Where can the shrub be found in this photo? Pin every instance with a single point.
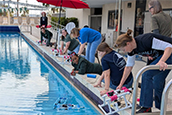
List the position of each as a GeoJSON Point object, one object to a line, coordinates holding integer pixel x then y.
{"type": "Point", "coordinates": [64, 21]}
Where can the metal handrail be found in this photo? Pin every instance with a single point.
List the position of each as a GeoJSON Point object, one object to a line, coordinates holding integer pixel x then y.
{"type": "Point", "coordinates": [58, 32]}
{"type": "Point", "coordinates": [57, 24]}
{"type": "Point", "coordinates": [150, 67]}
{"type": "Point", "coordinates": [165, 97]}
{"type": "Point", "coordinates": [27, 31]}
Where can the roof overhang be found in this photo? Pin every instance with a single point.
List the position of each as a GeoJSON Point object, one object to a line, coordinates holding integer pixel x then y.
{"type": "Point", "coordinates": [100, 3]}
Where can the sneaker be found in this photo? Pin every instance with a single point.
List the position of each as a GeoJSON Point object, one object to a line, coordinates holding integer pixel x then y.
{"type": "Point", "coordinates": [144, 110]}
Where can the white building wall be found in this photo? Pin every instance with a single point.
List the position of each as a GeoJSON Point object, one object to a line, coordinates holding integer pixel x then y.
{"type": "Point", "coordinates": [128, 19]}
{"type": "Point", "coordinates": [81, 14]}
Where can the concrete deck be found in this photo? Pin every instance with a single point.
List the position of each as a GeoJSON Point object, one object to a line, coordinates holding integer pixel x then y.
{"type": "Point", "coordinates": [89, 82]}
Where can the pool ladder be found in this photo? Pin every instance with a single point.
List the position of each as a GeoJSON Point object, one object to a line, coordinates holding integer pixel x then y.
{"type": "Point", "coordinates": [164, 95]}
{"type": "Point", "coordinates": [27, 29]}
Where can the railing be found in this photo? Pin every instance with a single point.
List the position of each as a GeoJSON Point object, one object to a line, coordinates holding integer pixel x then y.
{"type": "Point", "coordinates": [150, 67]}
{"type": "Point", "coordinates": [27, 30]}
{"type": "Point", "coordinates": [164, 98]}
{"type": "Point", "coordinates": [57, 27]}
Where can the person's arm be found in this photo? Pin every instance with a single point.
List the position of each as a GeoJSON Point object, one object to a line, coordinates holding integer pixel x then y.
{"type": "Point", "coordinates": [41, 37]}
{"type": "Point", "coordinates": [62, 45]}
{"type": "Point", "coordinates": [127, 70]}
{"type": "Point", "coordinates": [126, 73]}
{"type": "Point", "coordinates": [155, 27]}
{"type": "Point", "coordinates": [66, 48]}
{"type": "Point", "coordinates": [82, 68]}
{"type": "Point", "coordinates": [166, 47]}
{"type": "Point", "coordinates": [107, 82]}
{"type": "Point", "coordinates": [46, 22]}
{"type": "Point", "coordinates": [41, 21]}
{"type": "Point", "coordinates": [98, 84]}
{"type": "Point", "coordinates": [156, 31]}
{"type": "Point", "coordinates": [49, 37]}
{"type": "Point", "coordinates": [81, 48]}
{"type": "Point", "coordinates": [165, 56]}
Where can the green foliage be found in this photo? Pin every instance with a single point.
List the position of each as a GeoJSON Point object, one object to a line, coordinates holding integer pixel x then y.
{"type": "Point", "coordinates": [73, 19]}
{"type": "Point", "coordinates": [64, 21]}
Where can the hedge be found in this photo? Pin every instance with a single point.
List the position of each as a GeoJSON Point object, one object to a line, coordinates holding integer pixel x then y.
{"type": "Point", "coordinates": [64, 21]}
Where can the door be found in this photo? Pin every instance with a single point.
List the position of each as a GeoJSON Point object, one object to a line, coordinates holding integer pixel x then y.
{"type": "Point", "coordinates": [139, 17]}
{"type": "Point", "coordinates": [96, 23]}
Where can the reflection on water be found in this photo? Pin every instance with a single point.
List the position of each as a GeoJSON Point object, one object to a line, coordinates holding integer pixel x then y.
{"type": "Point", "coordinates": [28, 86]}
{"type": "Point", "coordinates": [14, 56]}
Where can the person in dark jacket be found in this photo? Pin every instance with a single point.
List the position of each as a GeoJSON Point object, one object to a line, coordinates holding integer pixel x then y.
{"type": "Point", "coordinates": [43, 20]}
{"type": "Point", "coordinates": [82, 66]}
{"type": "Point", "coordinates": [46, 35]}
{"type": "Point", "coordinates": [113, 65]}
{"type": "Point", "coordinates": [159, 49]}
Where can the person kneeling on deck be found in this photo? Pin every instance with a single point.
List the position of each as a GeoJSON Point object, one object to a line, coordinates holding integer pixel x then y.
{"type": "Point", "coordinates": [113, 65]}
{"type": "Point", "coordinates": [71, 43]}
{"type": "Point", "coordinates": [46, 35]}
{"type": "Point", "coordinates": [82, 66]}
{"type": "Point", "coordinates": [158, 49]}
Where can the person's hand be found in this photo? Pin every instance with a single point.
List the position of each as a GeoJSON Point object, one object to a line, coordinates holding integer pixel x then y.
{"type": "Point", "coordinates": [103, 92]}
{"type": "Point", "coordinates": [162, 65]}
{"type": "Point", "coordinates": [73, 73]}
{"type": "Point", "coordinates": [61, 53]}
{"type": "Point", "coordinates": [119, 87]}
{"type": "Point", "coordinates": [150, 58]}
{"type": "Point", "coordinates": [98, 85]}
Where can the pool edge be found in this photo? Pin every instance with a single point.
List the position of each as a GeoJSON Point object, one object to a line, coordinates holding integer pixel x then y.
{"type": "Point", "coordinates": [94, 99]}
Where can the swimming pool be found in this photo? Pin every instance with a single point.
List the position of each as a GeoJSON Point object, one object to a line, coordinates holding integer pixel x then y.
{"type": "Point", "coordinates": [30, 85]}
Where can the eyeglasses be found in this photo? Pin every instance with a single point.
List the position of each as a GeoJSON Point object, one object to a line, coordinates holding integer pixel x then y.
{"type": "Point", "coordinates": [150, 7]}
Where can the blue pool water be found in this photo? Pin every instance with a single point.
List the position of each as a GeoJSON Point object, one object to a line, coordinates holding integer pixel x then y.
{"type": "Point", "coordinates": [29, 85]}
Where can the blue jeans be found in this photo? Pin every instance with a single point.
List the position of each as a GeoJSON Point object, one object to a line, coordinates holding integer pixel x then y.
{"type": "Point", "coordinates": [128, 85]}
{"type": "Point", "coordinates": [91, 50]}
{"type": "Point", "coordinates": [76, 50]}
{"type": "Point", "coordinates": [153, 79]}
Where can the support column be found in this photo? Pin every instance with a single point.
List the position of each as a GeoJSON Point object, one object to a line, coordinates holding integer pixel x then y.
{"type": "Point", "coordinates": [119, 17]}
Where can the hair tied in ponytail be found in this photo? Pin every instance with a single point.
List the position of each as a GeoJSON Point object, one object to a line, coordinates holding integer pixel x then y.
{"type": "Point", "coordinates": [129, 31]}
{"type": "Point", "coordinates": [116, 45]}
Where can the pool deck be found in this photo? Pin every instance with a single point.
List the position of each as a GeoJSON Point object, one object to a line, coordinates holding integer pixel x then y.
{"type": "Point", "coordinates": [89, 82]}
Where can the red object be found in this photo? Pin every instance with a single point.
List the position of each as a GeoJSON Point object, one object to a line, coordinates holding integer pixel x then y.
{"type": "Point", "coordinates": [48, 26]}
{"type": "Point", "coordinates": [123, 88]}
{"type": "Point", "coordinates": [43, 13]}
{"type": "Point", "coordinates": [72, 72]}
{"type": "Point", "coordinates": [66, 3]}
{"type": "Point", "coordinates": [115, 97]}
{"type": "Point", "coordinates": [138, 99]}
{"type": "Point", "coordinates": [37, 26]}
